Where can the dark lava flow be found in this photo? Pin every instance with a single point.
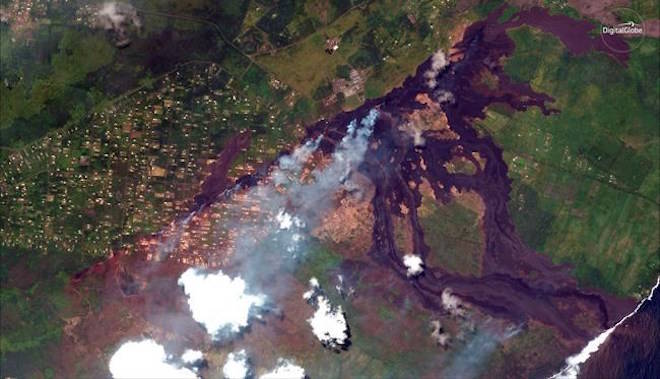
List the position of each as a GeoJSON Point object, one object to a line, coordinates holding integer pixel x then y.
{"type": "Point", "coordinates": [574, 34]}
{"type": "Point", "coordinates": [216, 182]}
{"type": "Point", "coordinates": [517, 283]}
{"type": "Point", "coordinates": [637, 340]}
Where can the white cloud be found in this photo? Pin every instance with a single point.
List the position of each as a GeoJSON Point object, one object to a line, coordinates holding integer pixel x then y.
{"type": "Point", "coordinates": [285, 208]}
{"type": "Point", "coordinates": [328, 322]}
{"type": "Point", "coordinates": [192, 356]}
{"type": "Point", "coordinates": [236, 366]}
{"type": "Point", "coordinates": [414, 264]}
{"type": "Point", "coordinates": [218, 301]}
{"type": "Point", "coordinates": [145, 359]}
{"type": "Point", "coordinates": [285, 369]}
{"type": "Point", "coordinates": [110, 15]}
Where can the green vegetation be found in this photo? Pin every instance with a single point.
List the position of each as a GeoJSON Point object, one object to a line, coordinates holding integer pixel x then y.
{"type": "Point", "coordinates": [322, 91]}
{"type": "Point", "coordinates": [484, 7]}
{"type": "Point", "coordinates": [317, 262]}
{"type": "Point", "coordinates": [374, 88]}
{"type": "Point", "coordinates": [33, 302]}
{"type": "Point", "coordinates": [507, 14]}
{"type": "Point", "coordinates": [289, 21]}
{"type": "Point", "coordinates": [306, 65]}
{"type": "Point", "coordinates": [389, 45]}
{"type": "Point", "coordinates": [50, 95]}
{"type": "Point", "coordinates": [138, 163]}
{"type": "Point", "coordinates": [129, 170]}
{"type": "Point", "coordinates": [102, 145]}
{"type": "Point", "coordinates": [344, 71]}
{"type": "Point", "coordinates": [453, 235]}
{"type": "Point", "coordinates": [535, 348]}
{"type": "Point", "coordinates": [370, 354]}
{"type": "Point", "coordinates": [379, 303]}
{"type": "Point", "coordinates": [561, 7]}
{"type": "Point", "coordinates": [586, 181]}
{"type": "Point", "coordinates": [648, 9]}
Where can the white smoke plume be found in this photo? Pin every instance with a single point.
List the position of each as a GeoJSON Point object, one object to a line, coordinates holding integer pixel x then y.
{"type": "Point", "coordinates": [288, 205]}
{"type": "Point", "coordinates": [572, 368]}
{"type": "Point", "coordinates": [452, 304]}
{"type": "Point", "coordinates": [272, 238]}
{"type": "Point", "coordinates": [269, 224]}
{"type": "Point", "coordinates": [341, 288]}
{"type": "Point", "coordinates": [347, 157]}
{"type": "Point", "coordinates": [119, 18]}
{"type": "Point", "coordinates": [444, 96]}
{"type": "Point", "coordinates": [469, 361]}
{"type": "Point", "coordinates": [285, 369]}
{"type": "Point", "coordinates": [173, 237]}
{"type": "Point", "coordinates": [438, 62]}
{"type": "Point", "coordinates": [439, 335]}
{"type": "Point", "coordinates": [116, 15]}
{"type": "Point", "coordinates": [290, 166]}
{"type": "Point", "coordinates": [145, 359]}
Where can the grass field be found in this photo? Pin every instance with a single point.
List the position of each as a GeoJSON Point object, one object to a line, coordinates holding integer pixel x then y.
{"type": "Point", "coordinates": [387, 43]}
{"type": "Point", "coordinates": [304, 66]}
{"type": "Point", "coordinates": [454, 236]}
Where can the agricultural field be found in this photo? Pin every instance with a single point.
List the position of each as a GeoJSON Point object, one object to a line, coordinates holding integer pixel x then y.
{"type": "Point", "coordinates": [586, 182]}
{"type": "Point", "coordinates": [453, 233]}
{"type": "Point", "coordinates": [382, 46]}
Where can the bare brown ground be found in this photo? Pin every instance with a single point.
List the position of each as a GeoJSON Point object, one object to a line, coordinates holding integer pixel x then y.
{"type": "Point", "coordinates": [456, 35]}
{"type": "Point", "coordinates": [429, 119]}
{"type": "Point", "coordinates": [351, 222]}
{"type": "Point", "coordinates": [157, 308]}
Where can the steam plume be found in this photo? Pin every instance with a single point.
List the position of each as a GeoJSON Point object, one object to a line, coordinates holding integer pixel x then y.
{"type": "Point", "coordinates": [572, 368]}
